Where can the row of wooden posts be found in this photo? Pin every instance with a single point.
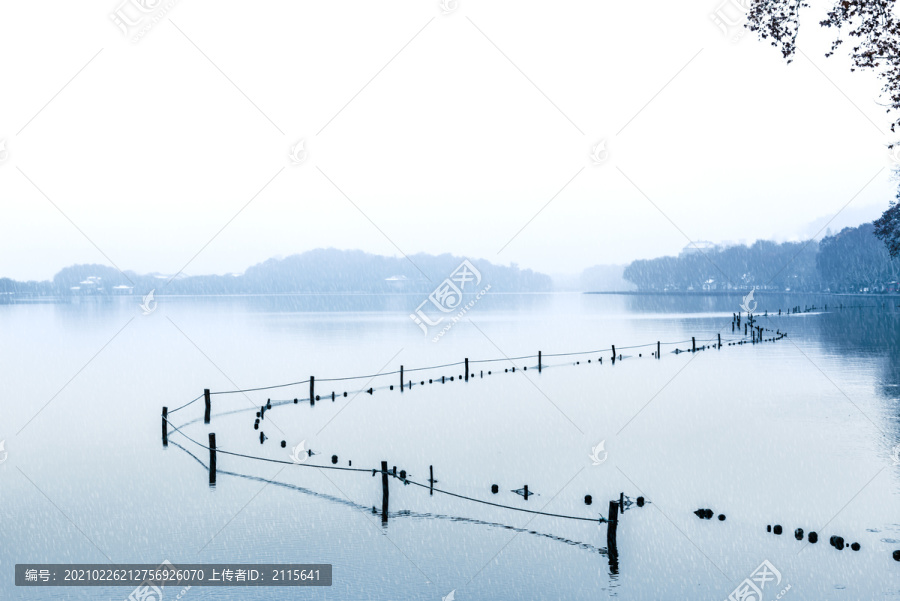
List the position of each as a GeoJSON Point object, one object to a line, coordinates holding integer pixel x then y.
{"type": "Point", "coordinates": [615, 506]}
{"type": "Point", "coordinates": [207, 413]}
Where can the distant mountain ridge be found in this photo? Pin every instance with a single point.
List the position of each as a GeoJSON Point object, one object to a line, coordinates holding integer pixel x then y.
{"type": "Point", "coordinates": [316, 271]}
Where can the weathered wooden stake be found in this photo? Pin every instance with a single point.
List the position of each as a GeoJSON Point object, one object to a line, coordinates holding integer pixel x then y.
{"type": "Point", "coordinates": [401, 378]}
{"type": "Point", "coordinates": [622, 502]}
{"type": "Point", "coordinates": [165, 426]}
{"type": "Point", "coordinates": [614, 353]}
{"type": "Point", "coordinates": [611, 524]}
{"type": "Point", "coordinates": [526, 492]}
{"type": "Point", "coordinates": [384, 492]}
{"type": "Point", "coordinates": [312, 391]}
{"type": "Point", "coordinates": [208, 406]}
{"type": "Point", "coordinates": [693, 344]}
{"type": "Point", "coordinates": [467, 369]}
{"type": "Point", "coordinates": [657, 349]}
{"type": "Point", "coordinates": [539, 361]}
{"type": "Point", "coordinates": [720, 339]}
{"type": "Point", "coordinates": [431, 480]}
{"type": "Point", "coordinates": [212, 458]}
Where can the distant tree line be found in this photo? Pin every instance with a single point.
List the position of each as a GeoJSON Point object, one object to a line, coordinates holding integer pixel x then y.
{"type": "Point", "coordinates": [853, 260]}
{"type": "Point", "coordinates": [316, 271]}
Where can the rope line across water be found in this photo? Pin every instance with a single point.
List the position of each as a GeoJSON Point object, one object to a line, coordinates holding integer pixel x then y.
{"type": "Point", "coordinates": [374, 471]}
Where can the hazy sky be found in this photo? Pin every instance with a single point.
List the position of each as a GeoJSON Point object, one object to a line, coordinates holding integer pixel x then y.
{"type": "Point", "coordinates": [424, 132]}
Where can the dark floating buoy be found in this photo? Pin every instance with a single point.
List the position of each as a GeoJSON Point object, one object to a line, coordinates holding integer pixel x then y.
{"type": "Point", "coordinates": [897, 555]}
{"type": "Point", "coordinates": [721, 517]}
{"type": "Point", "coordinates": [489, 373]}
{"type": "Point", "coordinates": [295, 401]}
{"type": "Point", "coordinates": [256, 425]}
{"type": "Point", "coordinates": [798, 533]}
{"type": "Point", "coordinates": [704, 514]}
{"type": "Point", "coordinates": [495, 489]}
{"type": "Point", "coordinates": [588, 499]}
{"type": "Point", "coordinates": [855, 546]}
{"type": "Point", "coordinates": [257, 414]}
{"type": "Point", "coordinates": [345, 394]}
{"type": "Point", "coordinates": [334, 459]}
{"type": "Point", "coordinates": [422, 383]}
{"type": "Point", "coordinates": [777, 529]}
{"type": "Point", "coordinates": [392, 386]}
{"type": "Point", "coordinates": [769, 528]}
{"type": "Point", "coordinates": [640, 501]}
{"type": "Point", "coordinates": [403, 474]}
{"type": "Point", "coordinates": [837, 542]}
{"type": "Point", "coordinates": [283, 443]}
{"type": "Point", "coordinates": [812, 537]}
{"type": "Point", "coordinates": [430, 381]}
{"type": "Point", "coordinates": [317, 398]}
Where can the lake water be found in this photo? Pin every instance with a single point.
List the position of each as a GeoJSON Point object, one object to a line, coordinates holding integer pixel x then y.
{"type": "Point", "coordinates": [799, 432]}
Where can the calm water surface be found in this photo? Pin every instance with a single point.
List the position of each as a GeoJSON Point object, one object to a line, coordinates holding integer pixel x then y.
{"type": "Point", "coordinates": [799, 433]}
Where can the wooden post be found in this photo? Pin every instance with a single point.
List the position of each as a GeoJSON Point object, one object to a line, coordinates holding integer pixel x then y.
{"type": "Point", "coordinates": [539, 361]}
{"type": "Point", "coordinates": [720, 339]}
{"type": "Point", "coordinates": [614, 353]}
{"type": "Point", "coordinates": [611, 524]}
{"type": "Point", "coordinates": [401, 378]}
{"type": "Point", "coordinates": [384, 492]}
{"type": "Point", "coordinates": [212, 458]}
{"type": "Point", "coordinates": [312, 391]}
{"type": "Point", "coordinates": [431, 480]}
{"type": "Point", "coordinates": [525, 490]}
{"type": "Point", "coordinates": [208, 406]}
{"type": "Point", "coordinates": [657, 349]}
{"type": "Point", "coordinates": [622, 502]}
{"type": "Point", "coordinates": [693, 344]}
{"type": "Point", "coordinates": [165, 426]}
{"type": "Point", "coordinates": [467, 369]}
